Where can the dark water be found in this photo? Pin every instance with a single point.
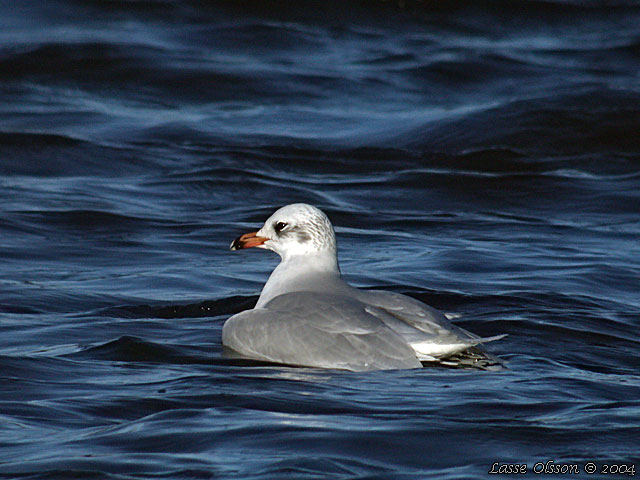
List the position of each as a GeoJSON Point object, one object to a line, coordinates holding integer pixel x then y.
{"type": "Point", "coordinates": [483, 157]}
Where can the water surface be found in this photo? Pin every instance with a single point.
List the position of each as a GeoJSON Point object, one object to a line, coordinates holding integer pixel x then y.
{"type": "Point", "coordinates": [483, 158]}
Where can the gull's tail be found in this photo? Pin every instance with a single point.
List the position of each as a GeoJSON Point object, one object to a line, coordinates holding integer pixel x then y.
{"type": "Point", "coordinates": [474, 357]}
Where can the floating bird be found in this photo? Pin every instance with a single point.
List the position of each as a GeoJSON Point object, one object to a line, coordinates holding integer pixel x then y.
{"type": "Point", "coordinates": [307, 315]}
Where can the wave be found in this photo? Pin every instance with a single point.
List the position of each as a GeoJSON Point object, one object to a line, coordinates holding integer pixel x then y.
{"type": "Point", "coordinates": [593, 121]}
{"type": "Point", "coordinates": [210, 308]}
{"type": "Point", "coordinates": [55, 155]}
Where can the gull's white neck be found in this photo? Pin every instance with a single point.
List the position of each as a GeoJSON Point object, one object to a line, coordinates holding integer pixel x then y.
{"type": "Point", "coordinates": [301, 272]}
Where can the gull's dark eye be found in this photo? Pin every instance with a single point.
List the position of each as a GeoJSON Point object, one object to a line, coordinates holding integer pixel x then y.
{"type": "Point", "coordinates": [279, 226]}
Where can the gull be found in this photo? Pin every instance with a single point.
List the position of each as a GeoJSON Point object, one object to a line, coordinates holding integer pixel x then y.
{"type": "Point", "coordinates": [308, 315]}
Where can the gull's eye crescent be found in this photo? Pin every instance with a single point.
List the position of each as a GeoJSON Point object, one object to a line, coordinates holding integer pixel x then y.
{"type": "Point", "coordinates": [279, 226]}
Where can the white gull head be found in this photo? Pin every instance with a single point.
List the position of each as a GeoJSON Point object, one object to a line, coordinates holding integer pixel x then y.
{"type": "Point", "coordinates": [293, 231]}
{"type": "Point", "coordinates": [304, 238]}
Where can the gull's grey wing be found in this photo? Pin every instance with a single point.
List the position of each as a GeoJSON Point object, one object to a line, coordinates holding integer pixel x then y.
{"type": "Point", "coordinates": [413, 312]}
{"type": "Point", "coordinates": [426, 329]}
{"type": "Point", "coordinates": [318, 330]}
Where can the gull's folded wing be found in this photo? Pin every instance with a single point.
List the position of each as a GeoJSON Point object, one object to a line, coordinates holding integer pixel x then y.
{"type": "Point", "coordinates": [318, 330]}
{"type": "Point", "coordinates": [406, 315]}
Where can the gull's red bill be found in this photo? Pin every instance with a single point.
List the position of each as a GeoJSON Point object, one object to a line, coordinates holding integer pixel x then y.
{"type": "Point", "coordinates": [247, 240]}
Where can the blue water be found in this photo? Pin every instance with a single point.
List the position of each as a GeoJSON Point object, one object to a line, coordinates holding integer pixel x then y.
{"type": "Point", "coordinates": [483, 157]}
